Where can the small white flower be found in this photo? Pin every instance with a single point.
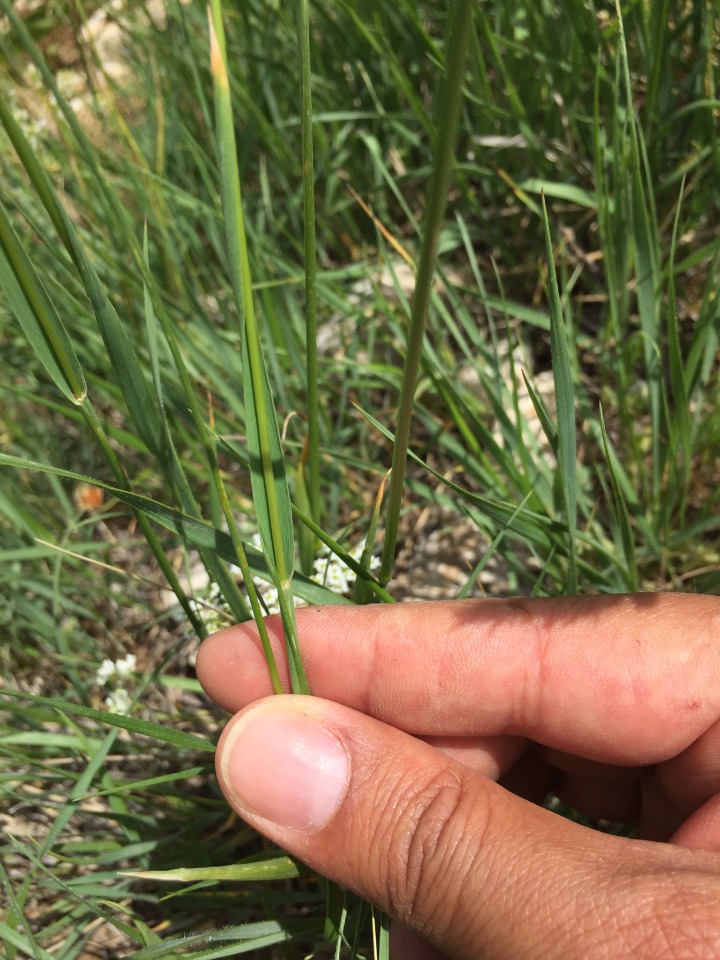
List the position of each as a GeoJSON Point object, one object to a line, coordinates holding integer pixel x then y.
{"type": "Point", "coordinates": [211, 613]}
{"type": "Point", "coordinates": [331, 572]}
{"type": "Point", "coordinates": [126, 666]}
{"type": "Point", "coordinates": [270, 596]}
{"type": "Point", "coordinates": [118, 701]}
{"type": "Point", "coordinates": [104, 672]}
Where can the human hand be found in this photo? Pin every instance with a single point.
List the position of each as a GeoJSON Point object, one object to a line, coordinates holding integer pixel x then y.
{"type": "Point", "coordinates": [388, 787]}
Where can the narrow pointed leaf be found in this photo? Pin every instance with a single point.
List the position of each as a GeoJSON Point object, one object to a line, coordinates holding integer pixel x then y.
{"type": "Point", "coordinates": [186, 741]}
{"type": "Point", "coordinates": [530, 526]}
{"type": "Point", "coordinates": [268, 474]}
{"type": "Point", "coordinates": [121, 352]}
{"type": "Point", "coordinates": [194, 531]}
{"type": "Point", "coordinates": [275, 868]}
{"type": "Point", "coordinates": [458, 41]}
{"type": "Point", "coordinates": [271, 496]}
{"type": "Point", "coordinates": [37, 315]}
{"type": "Point", "coordinates": [626, 533]}
{"type": "Point", "coordinates": [565, 404]}
{"type": "Point", "coordinates": [543, 414]}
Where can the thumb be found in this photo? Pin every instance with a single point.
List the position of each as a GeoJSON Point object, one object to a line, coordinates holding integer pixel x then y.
{"type": "Point", "coordinates": [475, 869]}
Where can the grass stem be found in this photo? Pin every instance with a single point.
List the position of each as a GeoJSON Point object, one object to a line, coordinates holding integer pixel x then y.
{"type": "Point", "coordinates": [450, 103]}
{"type": "Point", "coordinates": [311, 352]}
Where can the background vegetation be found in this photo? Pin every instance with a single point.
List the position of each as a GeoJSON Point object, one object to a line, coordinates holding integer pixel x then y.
{"type": "Point", "coordinates": [565, 429]}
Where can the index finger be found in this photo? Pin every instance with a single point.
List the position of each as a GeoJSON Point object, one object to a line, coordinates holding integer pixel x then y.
{"type": "Point", "coordinates": [622, 679]}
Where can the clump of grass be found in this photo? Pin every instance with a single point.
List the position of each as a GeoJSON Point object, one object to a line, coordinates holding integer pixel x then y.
{"type": "Point", "coordinates": [560, 354]}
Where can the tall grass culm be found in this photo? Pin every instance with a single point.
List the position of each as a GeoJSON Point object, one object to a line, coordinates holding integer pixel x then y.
{"type": "Point", "coordinates": [319, 303]}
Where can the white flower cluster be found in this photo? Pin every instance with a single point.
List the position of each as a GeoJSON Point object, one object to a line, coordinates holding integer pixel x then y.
{"type": "Point", "coordinates": [112, 673]}
{"type": "Point", "coordinates": [269, 595]}
{"type": "Point", "coordinates": [118, 701]}
{"type": "Point", "coordinates": [328, 570]}
{"type": "Point", "coordinates": [212, 610]}
{"type": "Point", "coordinates": [35, 128]}
{"type": "Point", "coordinates": [332, 573]}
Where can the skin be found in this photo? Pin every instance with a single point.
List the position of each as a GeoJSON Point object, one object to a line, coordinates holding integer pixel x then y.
{"type": "Point", "coordinates": [458, 718]}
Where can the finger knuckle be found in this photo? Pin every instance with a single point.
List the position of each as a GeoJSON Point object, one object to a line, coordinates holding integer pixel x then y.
{"type": "Point", "coordinates": [430, 850]}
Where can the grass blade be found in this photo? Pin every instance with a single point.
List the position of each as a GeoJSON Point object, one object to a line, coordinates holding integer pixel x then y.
{"type": "Point", "coordinates": [271, 868]}
{"type": "Point", "coordinates": [626, 534]}
{"type": "Point", "coordinates": [194, 531]}
{"type": "Point", "coordinates": [173, 465]}
{"type": "Point", "coordinates": [543, 414]}
{"type": "Point", "coordinates": [311, 350]}
{"type": "Point", "coordinates": [565, 404]}
{"type": "Point", "coordinates": [185, 741]}
{"type": "Point", "coordinates": [37, 315]}
{"type": "Point", "coordinates": [645, 242]}
{"type": "Point", "coordinates": [267, 465]}
{"type": "Point", "coordinates": [531, 527]}
{"type": "Point", "coordinates": [121, 351]}
{"type": "Point", "coordinates": [458, 42]}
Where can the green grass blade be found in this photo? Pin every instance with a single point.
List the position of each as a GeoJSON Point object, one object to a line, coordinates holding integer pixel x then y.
{"type": "Point", "coordinates": [565, 404]}
{"type": "Point", "coordinates": [626, 534]}
{"type": "Point", "coordinates": [381, 924]}
{"type": "Point", "coordinates": [254, 934]}
{"type": "Point", "coordinates": [122, 355]}
{"type": "Point", "coordinates": [464, 592]}
{"type": "Point", "coordinates": [27, 948]}
{"type": "Point", "coordinates": [358, 569]}
{"type": "Point", "coordinates": [658, 55]}
{"type": "Point", "coordinates": [543, 414]}
{"type": "Point", "coordinates": [678, 386]}
{"type": "Point", "coordinates": [448, 111]}
{"type": "Point", "coordinates": [645, 242]}
{"type": "Point", "coordinates": [307, 543]}
{"type": "Point", "coordinates": [56, 882]}
{"type": "Point", "coordinates": [311, 349]}
{"type": "Point", "coordinates": [525, 524]}
{"type": "Point", "coordinates": [138, 786]}
{"type": "Point", "coordinates": [267, 464]}
{"type": "Point", "coordinates": [239, 549]}
{"type": "Point", "coordinates": [195, 532]}
{"type": "Point", "coordinates": [173, 465]}
{"type": "Point", "coordinates": [184, 741]}
{"type": "Point", "coordinates": [361, 591]}
{"type": "Point", "coordinates": [37, 315]}
{"type": "Point", "coordinates": [271, 868]}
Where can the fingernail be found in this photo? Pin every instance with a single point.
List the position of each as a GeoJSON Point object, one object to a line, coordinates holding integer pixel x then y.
{"type": "Point", "coordinates": [286, 767]}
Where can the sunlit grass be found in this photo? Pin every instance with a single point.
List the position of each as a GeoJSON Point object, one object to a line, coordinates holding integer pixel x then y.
{"type": "Point", "coordinates": [158, 338]}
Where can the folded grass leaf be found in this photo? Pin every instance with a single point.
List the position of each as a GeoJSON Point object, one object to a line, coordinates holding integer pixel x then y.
{"type": "Point", "coordinates": [271, 868]}
{"type": "Point", "coordinates": [37, 315]}
{"type": "Point", "coordinates": [267, 464]}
